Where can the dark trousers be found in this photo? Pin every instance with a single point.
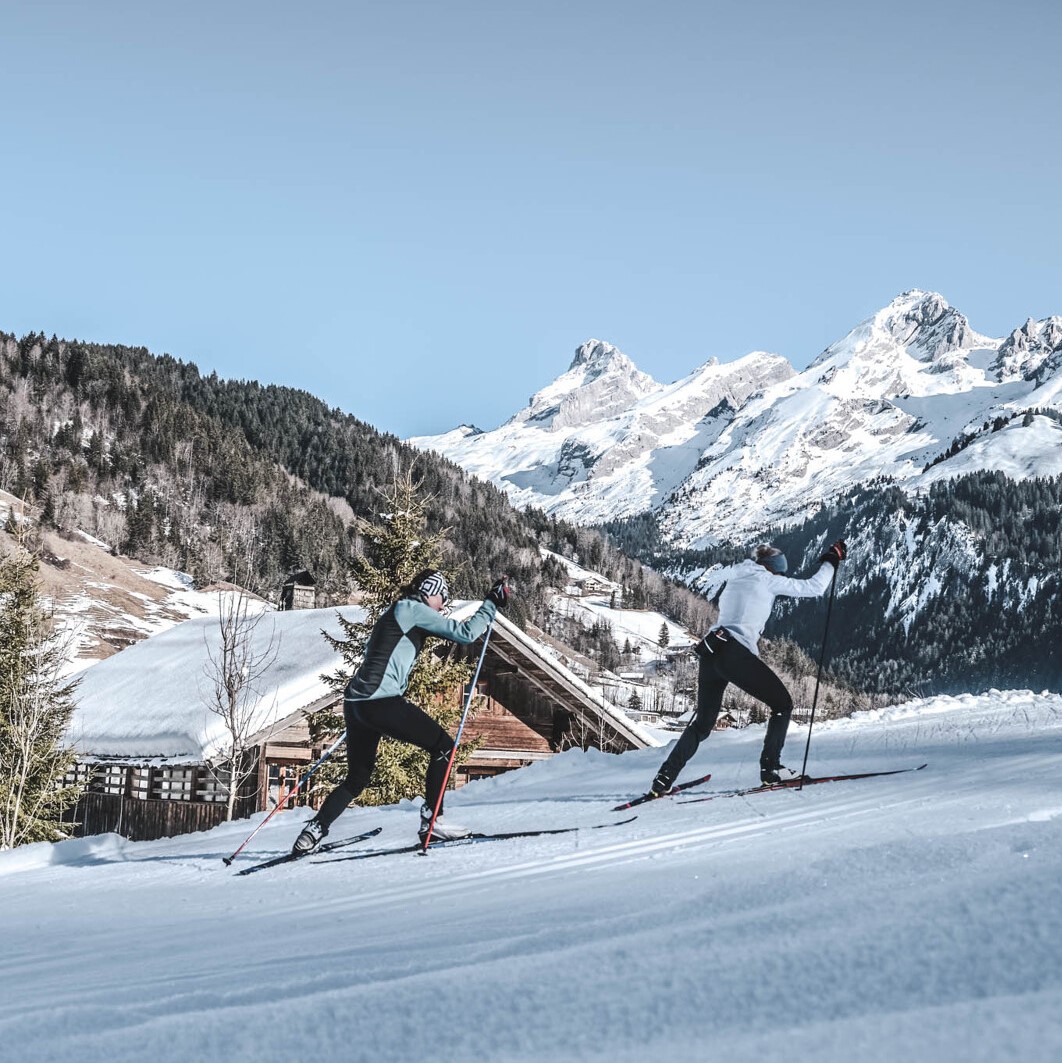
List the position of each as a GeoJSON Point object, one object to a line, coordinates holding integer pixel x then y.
{"type": "Point", "coordinates": [369, 721]}
{"type": "Point", "coordinates": [725, 661]}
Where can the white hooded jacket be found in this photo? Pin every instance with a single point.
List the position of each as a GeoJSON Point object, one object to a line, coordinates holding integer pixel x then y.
{"type": "Point", "coordinates": [748, 597]}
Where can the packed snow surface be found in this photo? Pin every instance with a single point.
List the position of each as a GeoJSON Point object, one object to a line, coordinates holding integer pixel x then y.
{"type": "Point", "coordinates": [909, 917]}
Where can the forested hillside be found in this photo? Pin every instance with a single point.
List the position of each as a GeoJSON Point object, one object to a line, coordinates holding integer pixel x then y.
{"type": "Point", "coordinates": [953, 590]}
{"type": "Point", "coordinates": [950, 590]}
{"type": "Point", "coordinates": [234, 479]}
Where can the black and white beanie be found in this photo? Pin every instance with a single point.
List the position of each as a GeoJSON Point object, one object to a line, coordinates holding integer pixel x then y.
{"type": "Point", "coordinates": [434, 582]}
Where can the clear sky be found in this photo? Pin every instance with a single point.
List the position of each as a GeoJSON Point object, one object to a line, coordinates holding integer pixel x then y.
{"type": "Point", "coordinates": [418, 209]}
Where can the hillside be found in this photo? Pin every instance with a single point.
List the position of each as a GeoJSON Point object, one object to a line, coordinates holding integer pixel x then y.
{"type": "Point", "coordinates": [226, 480]}
{"type": "Point", "coordinates": [914, 917]}
{"type": "Point", "coordinates": [102, 602]}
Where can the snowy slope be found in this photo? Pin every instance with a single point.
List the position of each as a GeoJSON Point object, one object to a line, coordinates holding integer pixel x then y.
{"type": "Point", "coordinates": [735, 448]}
{"type": "Point", "coordinates": [912, 918]}
{"type": "Point", "coordinates": [103, 602]}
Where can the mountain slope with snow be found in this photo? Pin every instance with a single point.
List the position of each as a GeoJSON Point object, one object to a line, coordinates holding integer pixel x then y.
{"type": "Point", "coordinates": [735, 448]}
{"type": "Point", "coordinates": [102, 601]}
{"type": "Point", "coordinates": [911, 917]}
{"type": "Point", "coordinates": [604, 439]}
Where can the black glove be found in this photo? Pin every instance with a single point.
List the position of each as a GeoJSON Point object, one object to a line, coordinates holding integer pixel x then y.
{"type": "Point", "coordinates": [836, 553]}
{"type": "Point", "coordinates": [499, 593]}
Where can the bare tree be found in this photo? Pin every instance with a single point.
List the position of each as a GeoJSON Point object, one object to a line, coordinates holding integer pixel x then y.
{"type": "Point", "coordinates": [583, 733]}
{"type": "Point", "coordinates": [235, 670]}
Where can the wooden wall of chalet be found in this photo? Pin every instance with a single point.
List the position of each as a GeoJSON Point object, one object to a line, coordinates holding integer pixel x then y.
{"type": "Point", "coordinates": [142, 820]}
{"type": "Point", "coordinates": [143, 803]}
{"type": "Point", "coordinates": [516, 719]}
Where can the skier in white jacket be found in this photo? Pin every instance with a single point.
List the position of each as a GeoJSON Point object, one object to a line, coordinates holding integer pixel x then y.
{"type": "Point", "coordinates": [729, 653]}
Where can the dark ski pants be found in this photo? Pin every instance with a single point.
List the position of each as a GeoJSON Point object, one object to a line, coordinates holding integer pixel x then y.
{"type": "Point", "coordinates": [724, 661]}
{"type": "Point", "coordinates": [369, 721]}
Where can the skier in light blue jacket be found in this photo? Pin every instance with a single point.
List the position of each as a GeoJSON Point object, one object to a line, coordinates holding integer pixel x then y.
{"type": "Point", "coordinates": [374, 702]}
{"type": "Point", "coordinates": [729, 653]}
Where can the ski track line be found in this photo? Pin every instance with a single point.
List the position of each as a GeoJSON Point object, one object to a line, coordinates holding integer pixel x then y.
{"type": "Point", "coordinates": [607, 854]}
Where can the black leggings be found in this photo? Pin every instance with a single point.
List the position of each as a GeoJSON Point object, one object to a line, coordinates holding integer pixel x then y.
{"type": "Point", "coordinates": [367, 722]}
{"type": "Point", "coordinates": [726, 661]}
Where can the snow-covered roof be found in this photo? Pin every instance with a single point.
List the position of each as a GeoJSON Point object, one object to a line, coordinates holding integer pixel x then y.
{"type": "Point", "coordinates": [150, 700]}
{"type": "Point", "coordinates": [579, 697]}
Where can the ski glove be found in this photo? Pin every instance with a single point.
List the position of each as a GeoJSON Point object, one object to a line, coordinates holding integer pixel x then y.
{"type": "Point", "coordinates": [500, 592]}
{"type": "Point", "coordinates": [836, 553]}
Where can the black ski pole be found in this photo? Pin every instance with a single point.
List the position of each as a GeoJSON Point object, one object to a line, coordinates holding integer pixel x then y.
{"type": "Point", "coordinates": [818, 678]}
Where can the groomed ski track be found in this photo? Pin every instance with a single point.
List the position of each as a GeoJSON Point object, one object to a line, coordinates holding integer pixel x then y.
{"type": "Point", "coordinates": [911, 917]}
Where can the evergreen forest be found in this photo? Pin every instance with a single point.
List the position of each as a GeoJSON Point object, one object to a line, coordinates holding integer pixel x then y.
{"type": "Point", "coordinates": [952, 589]}
{"type": "Point", "coordinates": [236, 480]}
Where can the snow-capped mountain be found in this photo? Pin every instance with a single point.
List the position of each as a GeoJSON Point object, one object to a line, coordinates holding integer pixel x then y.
{"type": "Point", "coordinates": [605, 439]}
{"type": "Point", "coordinates": [733, 448]}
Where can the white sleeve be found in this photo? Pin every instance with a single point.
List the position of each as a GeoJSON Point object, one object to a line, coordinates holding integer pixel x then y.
{"type": "Point", "coordinates": [812, 587]}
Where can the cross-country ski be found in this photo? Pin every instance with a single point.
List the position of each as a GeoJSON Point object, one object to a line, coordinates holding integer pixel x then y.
{"type": "Point", "coordinates": [472, 838]}
{"type": "Point", "coordinates": [667, 793]}
{"type": "Point", "coordinates": [327, 847]}
{"type": "Point", "coordinates": [798, 783]}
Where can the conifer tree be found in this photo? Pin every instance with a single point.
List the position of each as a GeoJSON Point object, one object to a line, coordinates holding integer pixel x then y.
{"type": "Point", "coordinates": [36, 704]}
{"type": "Point", "coordinates": [396, 549]}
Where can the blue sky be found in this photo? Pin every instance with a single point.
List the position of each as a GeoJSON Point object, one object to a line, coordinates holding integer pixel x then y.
{"type": "Point", "coordinates": [418, 210]}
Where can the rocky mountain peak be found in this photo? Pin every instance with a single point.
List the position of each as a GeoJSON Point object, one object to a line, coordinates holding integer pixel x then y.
{"type": "Point", "coordinates": [595, 356]}
{"type": "Point", "coordinates": [600, 381]}
{"type": "Point", "coordinates": [1030, 349]}
{"type": "Point", "coordinates": [927, 326]}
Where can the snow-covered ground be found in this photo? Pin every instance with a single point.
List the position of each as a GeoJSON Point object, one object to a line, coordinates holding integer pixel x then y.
{"type": "Point", "coordinates": [912, 917]}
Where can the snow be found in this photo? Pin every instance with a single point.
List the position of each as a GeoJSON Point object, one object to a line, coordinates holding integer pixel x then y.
{"type": "Point", "coordinates": [1019, 452]}
{"type": "Point", "coordinates": [733, 449]}
{"type": "Point", "coordinates": [913, 917]}
{"type": "Point", "coordinates": [168, 577]}
{"type": "Point", "coordinates": [150, 700]}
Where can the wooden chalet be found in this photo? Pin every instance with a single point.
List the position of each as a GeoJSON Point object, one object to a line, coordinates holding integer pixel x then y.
{"type": "Point", "coordinates": [534, 705]}
{"type": "Point", "coordinates": [149, 752]}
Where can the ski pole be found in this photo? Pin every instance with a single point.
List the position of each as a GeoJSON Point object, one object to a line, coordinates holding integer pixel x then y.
{"type": "Point", "coordinates": [457, 740]}
{"type": "Point", "coordinates": [818, 677]}
{"type": "Point", "coordinates": [284, 800]}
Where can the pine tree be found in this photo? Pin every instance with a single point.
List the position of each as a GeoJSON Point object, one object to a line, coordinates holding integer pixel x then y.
{"type": "Point", "coordinates": [395, 551]}
{"type": "Point", "coordinates": [664, 638]}
{"type": "Point", "coordinates": [36, 705]}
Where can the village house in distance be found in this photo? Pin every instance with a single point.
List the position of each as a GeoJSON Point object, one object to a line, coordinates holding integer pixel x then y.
{"type": "Point", "coordinates": [152, 754]}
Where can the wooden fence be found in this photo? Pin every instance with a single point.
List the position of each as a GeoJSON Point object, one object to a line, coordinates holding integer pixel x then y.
{"type": "Point", "coordinates": [142, 820]}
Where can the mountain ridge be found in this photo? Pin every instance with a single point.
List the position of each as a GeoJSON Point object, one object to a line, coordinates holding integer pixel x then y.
{"type": "Point", "coordinates": [773, 444]}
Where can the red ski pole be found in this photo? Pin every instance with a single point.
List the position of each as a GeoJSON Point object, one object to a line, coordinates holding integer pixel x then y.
{"type": "Point", "coordinates": [287, 797]}
{"type": "Point", "coordinates": [457, 740]}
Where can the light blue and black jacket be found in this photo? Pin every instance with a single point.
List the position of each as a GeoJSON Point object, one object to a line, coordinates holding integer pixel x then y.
{"type": "Point", "coordinates": [397, 638]}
